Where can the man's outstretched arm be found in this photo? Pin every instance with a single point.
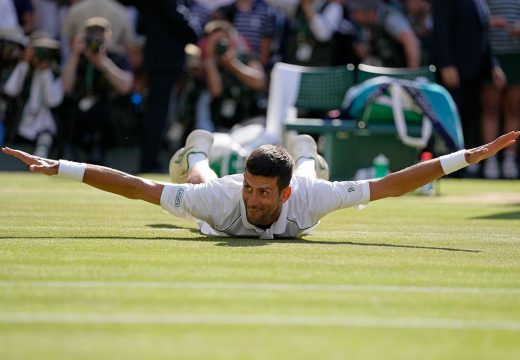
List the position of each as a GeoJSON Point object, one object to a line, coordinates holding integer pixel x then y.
{"type": "Point", "coordinates": [100, 177]}
{"type": "Point", "coordinates": [413, 177]}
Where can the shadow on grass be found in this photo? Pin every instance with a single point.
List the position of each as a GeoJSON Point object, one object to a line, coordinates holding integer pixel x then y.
{"type": "Point", "coordinates": [241, 242]}
{"type": "Point", "coordinates": [510, 215]}
{"type": "Point", "coordinates": [255, 242]}
{"type": "Point", "coordinates": [168, 226]}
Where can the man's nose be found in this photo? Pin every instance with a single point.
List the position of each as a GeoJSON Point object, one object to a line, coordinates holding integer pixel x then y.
{"type": "Point", "coordinates": [253, 199]}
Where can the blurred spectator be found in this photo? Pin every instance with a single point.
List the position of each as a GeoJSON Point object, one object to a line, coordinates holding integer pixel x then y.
{"type": "Point", "coordinates": [255, 21]}
{"type": "Point", "coordinates": [462, 53]}
{"type": "Point", "coordinates": [95, 81]}
{"type": "Point", "coordinates": [12, 43]}
{"type": "Point", "coordinates": [347, 47]}
{"type": "Point", "coordinates": [36, 80]}
{"type": "Point", "coordinates": [391, 39]}
{"type": "Point", "coordinates": [419, 14]}
{"type": "Point", "coordinates": [200, 11]}
{"type": "Point", "coordinates": [49, 16]}
{"type": "Point", "coordinates": [8, 17]}
{"type": "Point", "coordinates": [167, 30]}
{"type": "Point", "coordinates": [313, 24]}
{"type": "Point", "coordinates": [235, 79]}
{"type": "Point", "coordinates": [109, 9]}
{"type": "Point", "coordinates": [505, 43]}
{"type": "Point", "coordinates": [25, 13]}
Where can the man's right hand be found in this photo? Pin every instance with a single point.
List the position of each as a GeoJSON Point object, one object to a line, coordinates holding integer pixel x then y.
{"type": "Point", "coordinates": [36, 164]}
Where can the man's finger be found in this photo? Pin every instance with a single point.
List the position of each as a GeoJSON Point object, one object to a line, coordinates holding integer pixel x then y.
{"type": "Point", "coordinates": [41, 169]}
{"type": "Point", "coordinates": [21, 155]}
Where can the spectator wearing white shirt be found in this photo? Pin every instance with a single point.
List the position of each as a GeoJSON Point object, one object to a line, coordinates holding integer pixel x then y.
{"type": "Point", "coordinates": [38, 71]}
{"type": "Point", "coordinates": [313, 24]}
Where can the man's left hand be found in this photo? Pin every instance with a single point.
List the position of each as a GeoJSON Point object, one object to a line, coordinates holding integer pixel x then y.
{"type": "Point", "coordinates": [488, 150]}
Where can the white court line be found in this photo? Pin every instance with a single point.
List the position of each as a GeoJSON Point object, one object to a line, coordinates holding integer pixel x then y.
{"type": "Point", "coordinates": [261, 287]}
{"type": "Point", "coordinates": [256, 320]}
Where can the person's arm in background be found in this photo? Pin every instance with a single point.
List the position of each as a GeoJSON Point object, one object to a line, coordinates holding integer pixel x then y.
{"type": "Point", "coordinates": [412, 48]}
{"type": "Point", "coordinates": [324, 25]}
{"type": "Point", "coordinates": [68, 76]}
{"type": "Point", "coordinates": [14, 84]}
{"type": "Point", "coordinates": [399, 27]}
{"type": "Point", "coordinates": [251, 74]}
{"type": "Point", "coordinates": [121, 80]}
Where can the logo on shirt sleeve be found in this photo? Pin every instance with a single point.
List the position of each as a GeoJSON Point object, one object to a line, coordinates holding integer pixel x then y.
{"type": "Point", "coordinates": [351, 189]}
{"type": "Point", "coordinates": [178, 197]}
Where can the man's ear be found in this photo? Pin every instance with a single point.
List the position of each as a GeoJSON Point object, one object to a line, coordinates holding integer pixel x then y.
{"type": "Point", "coordinates": [286, 194]}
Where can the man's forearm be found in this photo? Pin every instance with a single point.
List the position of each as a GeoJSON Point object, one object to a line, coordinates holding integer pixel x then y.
{"type": "Point", "coordinates": [406, 180]}
{"type": "Point", "coordinates": [123, 184]}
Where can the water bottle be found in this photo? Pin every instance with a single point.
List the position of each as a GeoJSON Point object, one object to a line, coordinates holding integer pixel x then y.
{"type": "Point", "coordinates": [380, 164]}
{"type": "Point", "coordinates": [428, 189]}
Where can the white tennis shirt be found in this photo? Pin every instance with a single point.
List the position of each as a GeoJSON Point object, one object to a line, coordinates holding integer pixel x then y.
{"type": "Point", "coordinates": [219, 208]}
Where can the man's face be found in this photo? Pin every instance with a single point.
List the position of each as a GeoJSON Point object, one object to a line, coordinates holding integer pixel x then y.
{"type": "Point", "coordinates": [262, 199]}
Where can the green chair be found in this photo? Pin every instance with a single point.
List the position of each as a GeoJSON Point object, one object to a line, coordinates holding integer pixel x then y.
{"type": "Point", "coordinates": [323, 88]}
{"type": "Point", "coordinates": [297, 93]}
{"type": "Point", "coordinates": [365, 72]}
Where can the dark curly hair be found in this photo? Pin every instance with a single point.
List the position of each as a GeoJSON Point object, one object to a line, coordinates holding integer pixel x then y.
{"type": "Point", "coordinates": [271, 161]}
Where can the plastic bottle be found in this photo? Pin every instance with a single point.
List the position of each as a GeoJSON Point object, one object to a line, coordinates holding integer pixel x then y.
{"type": "Point", "coordinates": [428, 189]}
{"type": "Point", "coordinates": [380, 164]}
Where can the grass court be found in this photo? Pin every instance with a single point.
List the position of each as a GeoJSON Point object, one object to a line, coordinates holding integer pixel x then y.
{"type": "Point", "coordinates": [89, 275]}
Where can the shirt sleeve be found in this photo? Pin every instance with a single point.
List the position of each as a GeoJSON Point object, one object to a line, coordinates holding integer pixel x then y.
{"type": "Point", "coordinates": [324, 25]}
{"type": "Point", "coordinates": [325, 196]}
{"type": "Point", "coordinates": [396, 24]}
{"type": "Point", "coordinates": [14, 84]}
{"type": "Point", "coordinates": [212, 202]}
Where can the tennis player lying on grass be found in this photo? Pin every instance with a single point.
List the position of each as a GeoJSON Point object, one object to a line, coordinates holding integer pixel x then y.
{"type": "Point", "coordinates": [267, 201]}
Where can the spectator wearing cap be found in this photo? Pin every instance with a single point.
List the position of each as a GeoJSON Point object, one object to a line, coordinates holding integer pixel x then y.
{"type": "Point", "coordinates": [36, 81]}
{"type": "Point", "coordinates": [94, 79]}
{"type": "Point", "coordinates": [202, 10]}
{"type": "Point", "coordinates": [389, 35]}
{"type": "Point", "coordinates": [113, 11]}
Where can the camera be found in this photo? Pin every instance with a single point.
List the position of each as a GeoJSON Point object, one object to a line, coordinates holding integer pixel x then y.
{"type": "Point", "coordinates": [46, 50]}
{"type": "Point", "coordinates": [43, 54]}
{"type": "Point", "coordinates": [221, 47]}
{"type": "Point", "coordinates": [94, 43]}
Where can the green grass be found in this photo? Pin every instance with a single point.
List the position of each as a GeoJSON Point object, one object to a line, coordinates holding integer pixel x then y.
{"type": "Point", "coordinates": [88, 275]}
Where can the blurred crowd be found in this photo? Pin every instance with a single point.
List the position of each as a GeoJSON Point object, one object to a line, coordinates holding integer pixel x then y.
{"type": "Point", "coordinates": [78, 77]}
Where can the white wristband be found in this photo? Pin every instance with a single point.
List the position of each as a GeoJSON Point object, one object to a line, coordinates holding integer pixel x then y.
{"type": "Point", "coordinates": [71, 170]}
{"type": "Point", "coordinates": [454, 161]}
